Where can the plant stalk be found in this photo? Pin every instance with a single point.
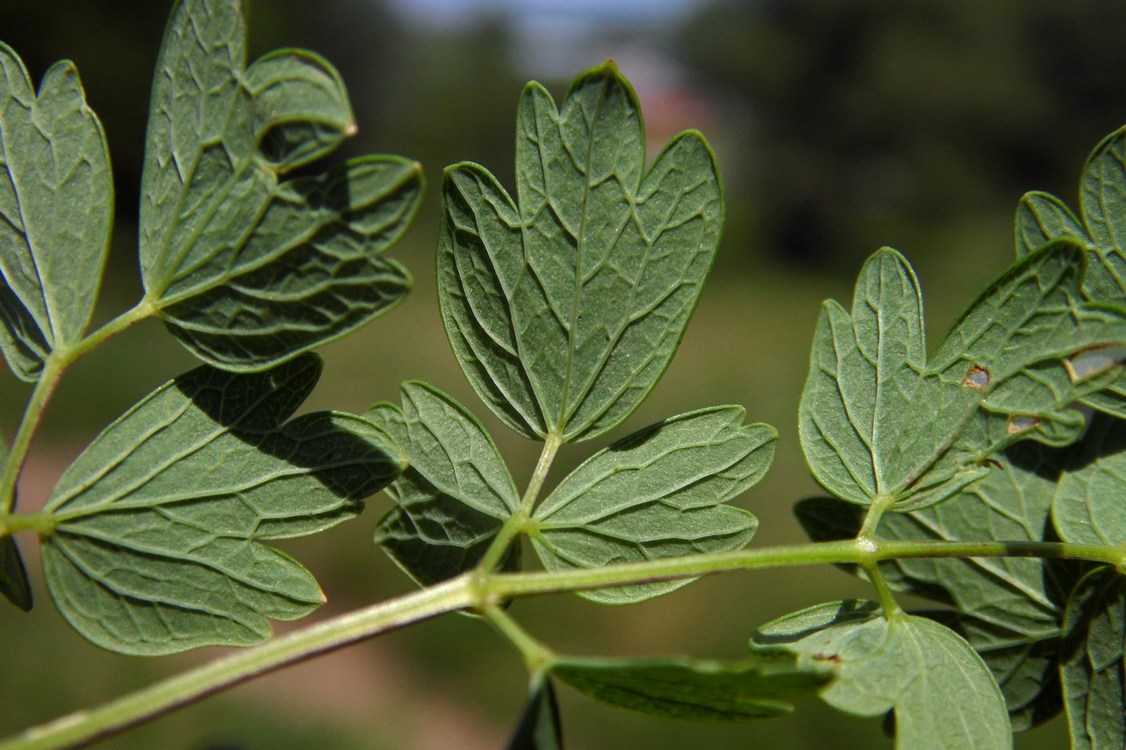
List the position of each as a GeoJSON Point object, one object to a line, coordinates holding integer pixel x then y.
{"type": "Point", "coordinates": [482, 590]}
{"type": "Point", "coordinates": [536, 655]}
{"type": "Point", "coordinates": [54, 367]}
{"type": "Point", "coordinates": [516, 523]}
{"type": "Point", "coordinates": [83, 727]}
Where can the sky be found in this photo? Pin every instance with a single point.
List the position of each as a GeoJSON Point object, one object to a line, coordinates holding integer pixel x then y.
{"type": "Point", "coordinates": [552, 37]}
{"type": "Point", "coordinates": [536, 12]}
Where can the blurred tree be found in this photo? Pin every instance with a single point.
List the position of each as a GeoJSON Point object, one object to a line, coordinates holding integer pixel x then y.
{"type": "Point", "coordinates": [878, 112]}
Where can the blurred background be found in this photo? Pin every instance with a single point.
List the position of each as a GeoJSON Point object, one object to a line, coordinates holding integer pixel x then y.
{"type": "Point", "coordinates": [839, 127]}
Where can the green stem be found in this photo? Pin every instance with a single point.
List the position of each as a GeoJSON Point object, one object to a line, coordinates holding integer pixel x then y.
{"type": "Point", "coordinates": [880, 505]}
{"type": "Point", "coordinates": [858, 552]}
{"type": "Point", "coordinates": [536, 655]}
{"type": "Point", "coordinates": [518, 521]}
{"type": "Point", "coordinates": [42, 524]}
{"type": "Point", "coordinates": [551, 445]}
{"type": "Point", "coordinates": [56, 364]}
{"type": "Point", "coordinates": [32, 414]}
{"type": "Point", "coordinates": [483, 591]}
{"type": "Point", "coordinates": [866, 538]}
{"type": "Point", "coordinates": [888, 602]}
{"type": "Point", "coordinates": [83, 727]}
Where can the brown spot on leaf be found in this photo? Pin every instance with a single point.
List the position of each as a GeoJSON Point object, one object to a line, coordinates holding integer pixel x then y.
{"type": "Point", "coordinates": [1022, 424]}
{"type": "Point", "coordinates": [977, 377]}
{"type": "Point", "coordinates": [1094, 361]}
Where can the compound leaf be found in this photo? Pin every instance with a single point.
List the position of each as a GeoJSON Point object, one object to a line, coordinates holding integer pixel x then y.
{"type": "Point", "coordinates": [1011, 369]}
{"type": "Point", "coordinates": [762, 686]}
{"type": "Point", "coordinates": [1092, 669]}
{"type": "Point", "coordinates": [156, 547]}
{"type": "Point", "coordinates": [455, 494]}
{"type": "Point", "coordinates": [942, 694]}
{"type": "Point", "coordinates": [1102, 198]}
{"type": "Point", "coordinates": [1085, 511]}
{"type": "Point", "coordinates": [247, 270]}
{"type": "Point", "coordinates": [56, 212]}
{"type": "Point", "coordinates": [1009, 609]}
{"type": "Point", "coordinates": [539, 727]}
{"type": "Point", "coordinates": [565, 307]}
{"type": "Point", "coordinates": [660, 492]}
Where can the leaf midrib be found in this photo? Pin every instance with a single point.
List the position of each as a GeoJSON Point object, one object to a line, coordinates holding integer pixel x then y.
{"type": "Point", "coordinates": [31, 245]}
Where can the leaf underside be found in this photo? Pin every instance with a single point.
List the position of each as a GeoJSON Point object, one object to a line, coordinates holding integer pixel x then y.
{"type": "Point", "coordinates": [160, 521]}
{"type": "Point", "coordinates": [539, 727]}
{"type": "Point", "coordinates": [247, 270]}
{"type": "Point", "coordinates": [56, 212]}
{"type": "Point", "coordinates": [13, 575]}
{"type": "Point", "coordinates": [565, 306]}
{"type": "Point", "coordinates": [660, 492]}
{"type": "Point", "coordinates": [454, 496]}
{"type": "Point", "coordinates": [1101, 227]}
{"type": "Point", "coordinates": [876, 420]}
{"type": "Point", "coordinates": [694, 689]}
{"type": "Point", "coordinates": [1087, 503]}
{"type": "Point", "coordinates": [943, 696]}
{"type": "Point", "coordinates": [1092, 669]}
{"type": "Point", "coordinates": [1009, 609]}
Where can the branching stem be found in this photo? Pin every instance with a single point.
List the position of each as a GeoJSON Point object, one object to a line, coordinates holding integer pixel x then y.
{"type": "Point", "coordinates": [536, 655]}
{"type": "Point", "coordinates": [83, 727]}
{"type": "Point", "coordinates": [482, 590]}
{"type": "Point", "coordinates": [517, 522]}
{"type": "Point", "coordinates": [53, 369]}
{"type": "Point", "coordinates": [867, 538]}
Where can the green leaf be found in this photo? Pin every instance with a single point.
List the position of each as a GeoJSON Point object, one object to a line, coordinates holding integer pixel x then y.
{"type": "Point", "coordinates": [1102, 197]}
{"type": "Point", "coordinates": [456, 493]}
{"type": "Point", "coordinates": [864, 369]}
{"type": "Point", "coordinates": [246, 270]}
{"type": "Point", "coordinates": [1092, 669]}
{"type": "Point", "coordinates": [1083, 512]}
{"type": "Point", "coordinates": [1009, 609]}
{"type": "Point", "coordinates": [56, 212]}
{"type": "Point", "coordinates": [539, 727]}
{"type": "Point", "coordinates": [1012, 368]}
{"type": "Point", "coordinates": [942, 694]}
{"type": "Point", "coordinates": [1038, 345]}
{"type": "Point", "coordinates": [565, 307]}
{"type": "Point", "coordinates": [763, 686]}
{"type": "Point", "coordinates": [1041, 218]}
{"type": "Point", "coordinates": [1087, 507]}
{"type": "Point", "coordinates": [158, 523]}
{"type": "Point", "coordinates": [660, 492]}
{"type": "Point", "coordinates": [13, 575]}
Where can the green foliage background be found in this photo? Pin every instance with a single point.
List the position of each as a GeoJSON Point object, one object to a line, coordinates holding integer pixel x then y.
{"type": "Point", "coordinates": [840, 128]}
